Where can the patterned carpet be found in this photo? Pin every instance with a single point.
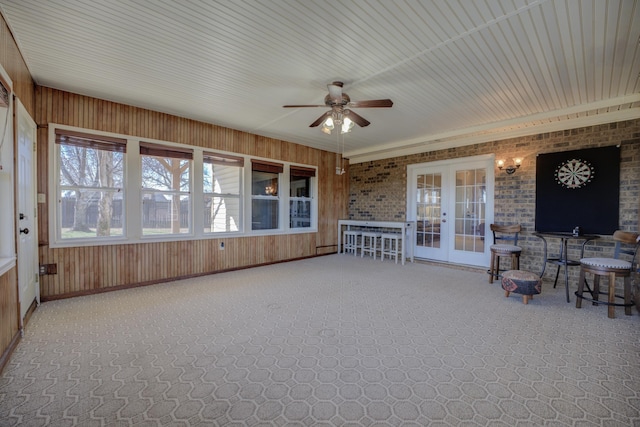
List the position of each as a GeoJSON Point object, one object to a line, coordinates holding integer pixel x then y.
{"type": "Point", "coordinates": [334, 341]}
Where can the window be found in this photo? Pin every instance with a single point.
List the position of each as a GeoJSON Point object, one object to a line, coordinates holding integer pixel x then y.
{"type": "Point", "coordinates": [114, 189]}
{"type": "Point", "coordinates": [90, 189]}
{"type": "Point", "coordinates": [265, 199]}
{"type": "Point", "coordinates": [166, 185]}
{"type": "Point", "coordinates": [222, 184]}
{"type": "Point", "coordinates": [300, 196]}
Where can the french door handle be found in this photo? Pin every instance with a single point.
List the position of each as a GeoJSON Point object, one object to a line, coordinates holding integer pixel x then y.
{"type": "Point", "coordinates": [24, 230]}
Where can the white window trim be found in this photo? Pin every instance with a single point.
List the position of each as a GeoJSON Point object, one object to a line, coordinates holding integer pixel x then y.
{"type": "Point", "coordinates": [132, 226]}
{"type": "Point", "coordinates": [190, 193]}
{"type": "Point", "coordinates": [313, 196]}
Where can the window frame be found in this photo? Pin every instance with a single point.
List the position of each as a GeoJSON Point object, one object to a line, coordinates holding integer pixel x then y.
{"type": "Point", "coordinates": [84, 140]}
{"type": "Point", "coordinates": [261, 166]}
{"type": "Point", "coordinates": [163, 151]}
{"type": "Point", "coordinates": [132, 189]}
{"type": "Point", "coordinates": [217, 158]}
{"type": "Point", "coordinates": [302, 171]}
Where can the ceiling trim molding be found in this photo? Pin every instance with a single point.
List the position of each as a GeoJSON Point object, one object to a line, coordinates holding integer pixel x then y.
{"type": "Point", "coordinates": [505, 130]}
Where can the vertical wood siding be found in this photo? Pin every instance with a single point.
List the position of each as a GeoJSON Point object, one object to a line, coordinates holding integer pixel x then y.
{"type": "Point", "coordinates": [9, 324]}
{"type": "Point", "coordinates": [90, 269]}
{"type": "Point", "coordinates": [24, 89]}
{"type": "Point", "coordinates": [14, 65]}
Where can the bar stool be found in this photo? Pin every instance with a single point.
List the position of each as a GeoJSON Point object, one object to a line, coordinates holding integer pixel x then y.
{"type": "Point", "coordinates": [390, 245]}
{"type": "Point", "coordinates": [611, 268]}
{"type": "Point", "coordinates": [508, 233]}
{"type": "Point", "coordinates": [351, 240]}
{"type": "Point", "coordinates": [369, 243]}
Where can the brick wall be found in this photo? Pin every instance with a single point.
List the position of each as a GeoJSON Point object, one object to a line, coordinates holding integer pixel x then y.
{"type": "Point", "coordinates": [378, 188]}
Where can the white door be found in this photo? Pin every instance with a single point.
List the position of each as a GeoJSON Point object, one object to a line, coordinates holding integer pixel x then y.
{"type": "Point", "coordinates": [26, 215]}
{"type": "Point", "coordinates": [451, 202]}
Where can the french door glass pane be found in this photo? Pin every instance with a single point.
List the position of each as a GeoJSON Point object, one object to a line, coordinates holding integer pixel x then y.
{"type": "Point", "coordinates": [428, 204]}
{"type": "Point", "coordinates": [470, 211]}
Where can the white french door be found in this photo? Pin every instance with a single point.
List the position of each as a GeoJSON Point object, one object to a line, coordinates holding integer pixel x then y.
{"type": "Point", "coordinates": [26, 216]}
{"type": "Point", "coordinates": [452, 203]}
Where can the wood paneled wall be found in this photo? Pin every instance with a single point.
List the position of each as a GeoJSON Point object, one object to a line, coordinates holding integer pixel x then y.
{"type": "Point", "coordinates": [23, 87]}
{"type": "Point", "coordinates": [90, 269]}
{"type": "Point", "coordinates": [9, 324]}
{"type": "Point", "coordinates": [13, 63]}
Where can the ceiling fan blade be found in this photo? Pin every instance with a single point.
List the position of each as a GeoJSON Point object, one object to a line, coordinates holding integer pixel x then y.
{"type": "Point", "coordinates": [320, 119]}
{"type": "Point", "coordinates": [372, 103]}
{"type": "Point", "coordinates": [335, 91]}
{"type": "Point", "coordinates": [356, 118]}
{"type": "Point", "coordinates": [302, 106]}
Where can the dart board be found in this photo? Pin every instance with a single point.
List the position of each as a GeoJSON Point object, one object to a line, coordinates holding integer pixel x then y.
{"type": "Point", "coordinates": [574, 173]}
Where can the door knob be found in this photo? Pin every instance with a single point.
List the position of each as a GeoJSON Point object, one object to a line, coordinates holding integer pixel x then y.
{"type": "Point", "coordinates": [24, 230]}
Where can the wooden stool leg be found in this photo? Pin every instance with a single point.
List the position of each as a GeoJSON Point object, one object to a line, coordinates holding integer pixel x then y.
{"type": "Point", "coordinates": [525, 299]}
{"type": "Point", "coordinates": [612, 295]}
{"type": "Point", "coordinates": [515, 261]}
{"type": "Point", "coordinates": [506, 294]}
{"type": "Point", "coordinates": [627, 295]}
{"type": "Point", "coordinates": [580, 289]}
{"type": "Point", "coordinates": [596, 288]}
{"type": "Point", "coordinates": [491, 266]}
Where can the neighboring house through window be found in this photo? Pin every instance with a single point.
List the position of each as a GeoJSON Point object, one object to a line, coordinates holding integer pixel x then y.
{"type": "Point", "coordinates": [222, 187]}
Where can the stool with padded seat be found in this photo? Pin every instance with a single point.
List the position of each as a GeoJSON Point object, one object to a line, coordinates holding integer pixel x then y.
{"type": "Point", "coordinates": [626, 244]}
{"type": "Point", "coordinates": [521, 282]}
{"type": "Point", "coordinates": [508, 234]}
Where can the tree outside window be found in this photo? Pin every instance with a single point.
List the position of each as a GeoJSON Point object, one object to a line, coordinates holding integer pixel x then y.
{"type": "Point", "coordinates": [166, 203]}
{"type": "Point", "coordinates": [91, 185]}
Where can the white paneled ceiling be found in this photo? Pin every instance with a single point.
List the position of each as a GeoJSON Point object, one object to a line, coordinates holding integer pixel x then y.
{"type": "Point", "coordinates": [458, 72]}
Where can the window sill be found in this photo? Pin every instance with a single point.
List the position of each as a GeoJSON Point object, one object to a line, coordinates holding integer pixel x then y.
{"type": "Point", "coordinates": [7, 264]}
{"type": "Point", "coordinates": [178, 238]}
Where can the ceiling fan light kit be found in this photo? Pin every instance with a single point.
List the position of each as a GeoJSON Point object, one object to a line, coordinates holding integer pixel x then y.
{"type": "Point", "coordinates": [339, 115]}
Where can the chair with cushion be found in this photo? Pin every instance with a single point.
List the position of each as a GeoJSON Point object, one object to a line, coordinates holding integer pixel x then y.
{"type": "Point", "coordinates": [505, 244]}
{"type": "Point", "coordinates": [620, 266]}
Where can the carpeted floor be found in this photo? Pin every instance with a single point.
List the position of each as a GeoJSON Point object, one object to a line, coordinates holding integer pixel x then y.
{"type": "Point", "coordinates": [334, 340]}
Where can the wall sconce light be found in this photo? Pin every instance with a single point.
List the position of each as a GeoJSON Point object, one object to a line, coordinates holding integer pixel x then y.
{"type": "Point", "coordinates": [517, 161]}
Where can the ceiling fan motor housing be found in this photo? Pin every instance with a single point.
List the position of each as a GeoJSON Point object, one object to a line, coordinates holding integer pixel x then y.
{"type": "Point", "coordinates": [331, 102]}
